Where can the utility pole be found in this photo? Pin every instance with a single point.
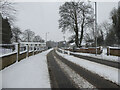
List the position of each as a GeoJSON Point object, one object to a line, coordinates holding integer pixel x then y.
{"type": "Point", "coordinates": [96, 27]}
{"type": "Point", "coordinates": [46, 36]}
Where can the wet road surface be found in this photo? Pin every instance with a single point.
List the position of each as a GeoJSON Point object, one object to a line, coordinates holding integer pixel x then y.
{"type": "Point", "coordinates": [60, 80]}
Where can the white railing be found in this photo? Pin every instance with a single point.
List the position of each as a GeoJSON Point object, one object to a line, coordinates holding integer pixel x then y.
{"type": "Point", "coordinates": [7, 48]}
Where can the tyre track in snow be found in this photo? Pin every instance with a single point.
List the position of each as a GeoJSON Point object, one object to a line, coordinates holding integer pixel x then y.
{"type": "Point", "coordinates": [94, 79]}
{"type": "Point", "coordinates": [58, 78]}
{"type": "Point", "coordinates": [76, 78]}
{"type": "Point", "coordinates": [97, 60]}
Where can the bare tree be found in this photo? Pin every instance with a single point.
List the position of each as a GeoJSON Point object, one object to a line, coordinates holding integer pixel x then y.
{"type": "Point", "coordinates": [7, 10]}
{"type": "Point", "coordinates": [100, 36]}
{"type": "Point", "coordinates": [105, 26]}
{"type": "Point", "coordinates": [28, 35]}
{"type": "Point", "coordinates": [69, 19]}
{"type": "Point", "coordinates": [111, 38]}
{"type": "Point", "coordinates": [38, 39]}
{"type": "Point", "coordinates": [90, 36]}
{"type": "Point", "coordinates": [71, 39]}
{"type": "Point", "coordinates": [75, 17]}
{"type": "Point", "coordinates": [16, 34]}
{"type": "Point", "coordinates": [86, 18]}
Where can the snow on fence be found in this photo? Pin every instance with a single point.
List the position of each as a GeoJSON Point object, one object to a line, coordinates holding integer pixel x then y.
{"type": "Point", "coordinates": [23, 48]}
{"type": "Point", "coordinates": [87, 50]}
{"type": "Point", "coordinates": [10, 53]}
{"type": "Point", "coordinates": [115, 51]}
{"type": "Point", "coordinates": [22, 51]}
{"type": "Point", "coordinates": [6, 48]}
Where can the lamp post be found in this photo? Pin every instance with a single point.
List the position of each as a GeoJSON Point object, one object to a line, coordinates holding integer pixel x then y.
{"type": "Point", "coordinates": [96, 27]}
{"type": "Point", "coordinates": [46, 36]}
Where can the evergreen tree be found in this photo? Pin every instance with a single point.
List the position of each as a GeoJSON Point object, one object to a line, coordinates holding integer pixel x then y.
{"type": "Point", "coordinates": [6, 31]}
{"type": "Point", "coordinates": [115, 15]}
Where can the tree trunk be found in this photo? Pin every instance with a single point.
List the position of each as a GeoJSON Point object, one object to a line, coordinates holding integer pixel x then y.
{"type": "Point", "coordinates": [76, 39]}
{"type": "Point", "coordinates": [16, 39]}
{"type": "Point", "coordinates": [81, 37]}
{"type": "Point", "coordinates": [76, 31]}
{"type": "Point", "coordinates": [82, 28]}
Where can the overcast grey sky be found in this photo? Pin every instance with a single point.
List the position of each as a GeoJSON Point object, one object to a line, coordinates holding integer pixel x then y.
{"type": "Point", "coordinates": [43, 17]}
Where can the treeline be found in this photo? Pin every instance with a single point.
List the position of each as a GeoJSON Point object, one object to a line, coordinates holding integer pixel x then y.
{"type": "Point", "coordinates": [9, 33]}
{"type": "Point", "coordinates": [26, 36]}
{"type": "Point", "coordinates": [108, 34]}
{"type": "Point", "coordinates": [78, 18]}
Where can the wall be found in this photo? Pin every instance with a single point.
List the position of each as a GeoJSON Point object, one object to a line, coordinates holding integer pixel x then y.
{"type": "Point", "coordinates": [8, 60]}
{"type": "Point", "coordinates": [113, 51]}
{"type": "Point", "coordinates": [22, 56]}
{"type": "Point", "coordinates": [87, 50]}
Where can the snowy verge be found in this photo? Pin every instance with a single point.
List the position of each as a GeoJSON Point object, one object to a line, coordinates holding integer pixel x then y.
{"type": "Point", "coordinates": [104, 71]}
{"type": "Point", "coordinates": [31, 72]}
{"type": "Point", "coordinates": [114, 47]}
{"type": "Point", "coordinates": [102, 56]}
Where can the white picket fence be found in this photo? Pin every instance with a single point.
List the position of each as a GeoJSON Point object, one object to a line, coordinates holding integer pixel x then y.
{"type": "Point", "coordinates": [6, 49]}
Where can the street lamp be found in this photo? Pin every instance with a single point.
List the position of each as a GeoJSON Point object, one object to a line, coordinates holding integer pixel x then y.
{"type": "Point", "coordinates": [96, 27]}
{"type": "Point", "coordinates": [46, 36]}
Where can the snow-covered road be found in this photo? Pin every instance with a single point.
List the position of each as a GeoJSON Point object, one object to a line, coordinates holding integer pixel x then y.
{"type": "Point", "coordinates": [31, 72]}
{"type": "Point", "coordinates": [104, 71]}
{"type": "Point", "coordinates": [72, 75]}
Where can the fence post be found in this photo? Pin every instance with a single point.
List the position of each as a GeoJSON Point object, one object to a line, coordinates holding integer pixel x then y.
{"type": "Point", "coordinates": [39, 48]}
{"type": "Point", "coordinates": [68, 52]}
{"type": "Point", "coordinates": [18, 50]}
{"type": "Point", "coordinates": [108, 50]}
{"type": "Point", "coordinates": [27, 50]}
{"type": "Point", "coordinates": [33, 48]}
{"type": "Point", "coordinates": [0, 64]}
{"type": "Point", "coordinates": [63, 51]}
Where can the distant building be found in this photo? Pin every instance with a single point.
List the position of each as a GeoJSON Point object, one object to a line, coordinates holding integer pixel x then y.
{"type": "Point", "coordinates": [51, 44]}
{"type": "Point", "coordinates": [61, 44]}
